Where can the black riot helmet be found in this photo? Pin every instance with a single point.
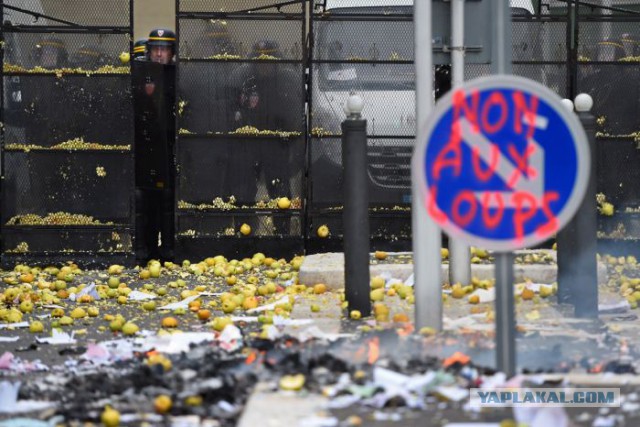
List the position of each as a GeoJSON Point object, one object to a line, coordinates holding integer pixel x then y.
{"type": "Point", "coordinates": [266, 48]}
{"type": "Point", "coordinates": [88, 56]}
{"type": "Point", "coordinates": [162, 37]}
{"type": "Point", "coordinates": [139, 49]}
{"type": "Point", "coordinates": [610, 50]}
{"type": "Point", "coordinates": [161, 46]}
{"type": "Point", "coordinates": [51, 53]}
{"type": "Point", "coordinates": [216, 38]}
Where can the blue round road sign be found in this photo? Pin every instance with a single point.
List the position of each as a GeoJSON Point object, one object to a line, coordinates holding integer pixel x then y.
{"type": "Point", "coordinates": [503, 164]}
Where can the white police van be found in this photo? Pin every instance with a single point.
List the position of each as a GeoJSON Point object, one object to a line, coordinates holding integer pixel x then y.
{"type": "Point", "coordinates": [388, 90]}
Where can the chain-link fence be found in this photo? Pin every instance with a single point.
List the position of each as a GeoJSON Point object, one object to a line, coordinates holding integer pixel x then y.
{"type": "Point", "coordinates": [241, 142]}
{"type": "Point", "coordinates": [67, 158]}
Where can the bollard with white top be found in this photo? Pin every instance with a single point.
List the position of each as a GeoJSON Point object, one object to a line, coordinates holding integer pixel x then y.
{"type": "Point", "coordinates": [568, 103]}
{"type": "Point", "coordinates": [577, 242]}
{"type": "Point", "coordinates": [356, 207]}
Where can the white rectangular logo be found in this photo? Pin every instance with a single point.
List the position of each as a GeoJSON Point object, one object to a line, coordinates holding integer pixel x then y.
{"type": "Point", "coordinates": [545, 397]}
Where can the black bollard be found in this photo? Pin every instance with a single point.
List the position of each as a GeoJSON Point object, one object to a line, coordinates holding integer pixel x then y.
{"type": "Point", "coordinates": [356, 214]}
{"type": "Point", "coordinates": [577, 242]}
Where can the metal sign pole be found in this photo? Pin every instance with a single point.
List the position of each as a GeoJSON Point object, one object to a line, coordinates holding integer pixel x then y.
{"type": "Point", "coordinates": [501, 40]}
{"type": "Point", "coordinates": [504, 305]}
{"type": "Point", "coordinates": [505, 315]}
{"type": "Point", "coordinates": [427, 238]}
{"type": "Point", "coordinates": [459, 255]}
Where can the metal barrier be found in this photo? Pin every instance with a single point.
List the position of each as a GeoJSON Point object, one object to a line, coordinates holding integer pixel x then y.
{"type": "Point", "coordinates": [607, 62]}
{"type": "Point", "coordinates": [260, 96]}
{"type": "Point", "coordinates": [67, 158]}
{"type": "Point", "coordinates": [241, 142]}
{"type": "Point", "coordinates": [368, 50]}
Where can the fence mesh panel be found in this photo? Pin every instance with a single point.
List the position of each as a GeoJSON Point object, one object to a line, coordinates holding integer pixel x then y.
{"type": "Point", "coordinates": [67, 141]}
{"type": "Point", "coordinates": [274, 7]}
{"type": "Point", "coordinates": [241, 119]}
{"type": "Point", "coordinates": [105, 13]}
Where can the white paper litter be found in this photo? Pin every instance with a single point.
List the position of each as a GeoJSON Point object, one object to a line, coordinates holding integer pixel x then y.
{"type": "Point", "coordinates": [9, 339]}
{"type": "Point", "coordinates": [150, 418]}
{"type": "Point", "coordinates": [177, 343]}
{"type": "Point", "coordinates": [492, 382]}
{"type": "Point", "coordinates": [273, 332]}
{"type": "Point", "coordinates": [231, 338]}
{"type": "Point", "coordinates": [244, 318]}
{"type": "Point", "coordinates": [190, 421]}
{"type": "Point", "coordinates": [284, 321]}
{"type": "Point", "coordinates": [185, 302]}
{"type": "Point", "coordinates": [410, 280]}
{"type": "Point", "coordinates": [535, 287]}
{"type": "Point", "coordinates": [14, 325]}
{"type": "Point", "coordinates": [89, 290]}
{"type": "Point", "coordinates": [12, 363]}
{"type": "Point", "coordinates": [420, 383]}
{"type": "Point", "coordinates": [343, 401]}
{"type": "Point", "coordinates": [283, 300]}
{"type": "Point", "coordinates": [485, 295]}
{"type": "Point", "coordinates": [139, 296]}
{"type": "Point", "coordinates": [386, 276]}
{"type": "Point", "coordinates": [472, 321]}
{"type": "Point", "coordinates": [57, 337]}
{"type": "Point", "coordinates": [8, 394]}
{"type": "Point", "coordinates": [116, 350]}
{"type": "Point", "coordinates": [618, 307]}
{"type": "Point", "coordinates": [388, 378]}
{"type": "Point", "coordinates": [316, 421]}
{"type": "Point", "coordinates": [97, 353]}
{"type": "Point", "coordinates": [9, 403]}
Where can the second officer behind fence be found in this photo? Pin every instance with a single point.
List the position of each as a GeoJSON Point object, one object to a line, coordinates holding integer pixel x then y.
{"type": "Point", "coordinates": [264, 94]}
{"type": "Point", "coordinates": [140, 50]}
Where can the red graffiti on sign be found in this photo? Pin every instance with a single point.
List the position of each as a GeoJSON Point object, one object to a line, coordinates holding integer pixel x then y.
{"type": "Point", "coordinates": [488, 116]}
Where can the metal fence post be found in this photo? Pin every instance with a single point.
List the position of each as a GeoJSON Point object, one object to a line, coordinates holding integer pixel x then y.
{"type": "Point", "coordinates": [427, 236]}
{"type": "Point", "coordinates": [459, 254]}
{"type": "Point", "coordinates": [356, 207]}
{"type": "Point", "coordinates": [577, 243]}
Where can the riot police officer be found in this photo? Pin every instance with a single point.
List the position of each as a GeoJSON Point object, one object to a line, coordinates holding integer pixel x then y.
{"type": "Point", "coordinates": [154, 100]}
{"type": "Point", "coordinates": [140, 50]}
{"type": "Point", "coordinates": [88, 57]}
{"type": "Point", "coordinates": [264, 95]}
{"type": "Point", "coordinates": [50, 53]}
{"type": "Point", "coordinates": [161, 46]}
{"type": "Point", "coordinates": [215, 40]}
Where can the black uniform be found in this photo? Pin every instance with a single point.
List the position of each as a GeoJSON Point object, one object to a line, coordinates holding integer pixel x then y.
{"type": "Point", "coordinates": [266, 96]}
{"type": "Point", "coordinates": [154, 100]}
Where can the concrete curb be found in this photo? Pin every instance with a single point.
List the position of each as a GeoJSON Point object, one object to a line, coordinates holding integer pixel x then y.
{"type": "Point", "coordinates": [269, 408]}
{"type": "Point", "coordinates": [328, 268]}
